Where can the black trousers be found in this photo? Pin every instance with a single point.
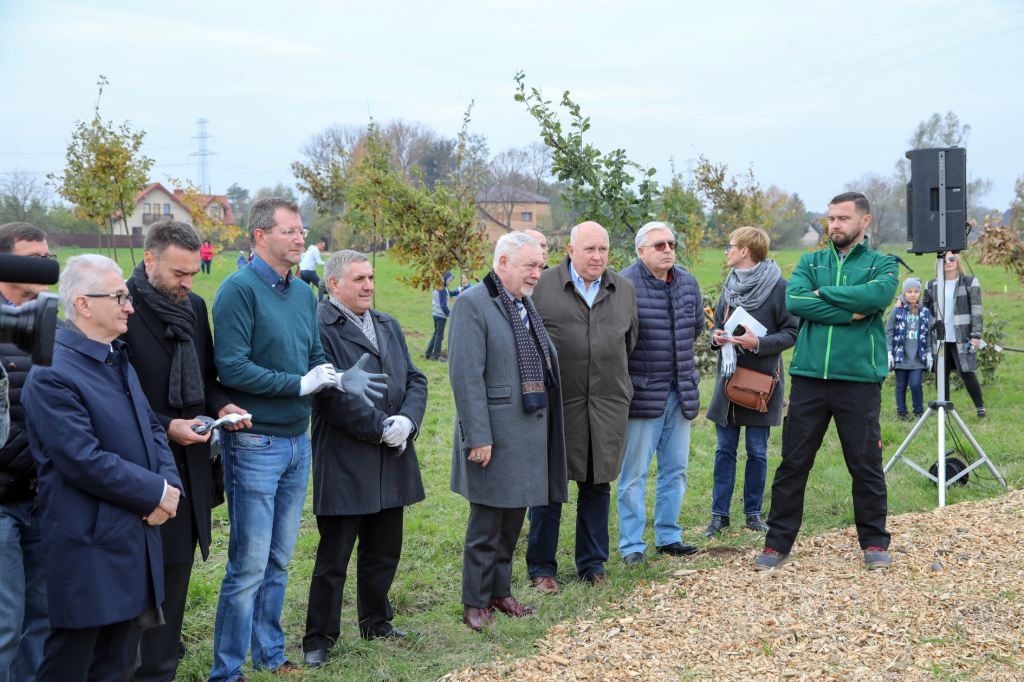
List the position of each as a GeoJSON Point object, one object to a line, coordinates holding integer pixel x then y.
{"type": "Point", "coordinates": [970, 378]}
{"type": "Point", "coordinates": [310, 277]}
{"type": "Point", "coordinates": [812, 405]}
{"type": "Point", "coordinates": [96, 654]}
{"type": "Point", "coordinates": [380, 549]}
{"type": "Point", "coordinates": [158, 648]}
{"type": "Point", "coordinates": [491, 537]}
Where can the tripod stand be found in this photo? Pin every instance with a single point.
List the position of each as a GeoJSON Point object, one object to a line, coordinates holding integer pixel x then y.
{"type": "Point", "coordinates": [942, 408]}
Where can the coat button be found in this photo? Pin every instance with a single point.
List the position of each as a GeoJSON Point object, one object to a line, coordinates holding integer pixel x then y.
{"type": "Point", "coordinates": [391, 404]}
{"type": "Point", "coordinates": [110, 361]}
{"type": "Point", "coordinates": [540, 415]}
{"type": "Point", "coordinates": [182, 466]}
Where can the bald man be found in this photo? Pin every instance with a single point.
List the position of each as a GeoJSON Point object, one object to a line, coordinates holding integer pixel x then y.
{"type": "Point", "coordinates": [590, 315]}
{"type": "Point", "coordinates": [543, 241]}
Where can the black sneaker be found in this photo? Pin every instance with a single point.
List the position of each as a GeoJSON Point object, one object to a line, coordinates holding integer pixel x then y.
{"type": "Point", "coordinates": [717, 525]}
{"type": "Point", "coordinates": [755, 524]}
{"type": "Point", "coordinates": [902, 416]}
{"type": "Point", "coordinates": [982, 413]}
{"type": "Point", "coordinates": [677, 549]}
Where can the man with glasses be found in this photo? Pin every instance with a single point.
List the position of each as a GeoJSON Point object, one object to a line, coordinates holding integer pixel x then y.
{"type": "Point", "coordinates": [665, 394]}
{"type": "Point", "coordinates": [106, 481]}
{"type": "Point", "coordinates": [270, 359]}
{"type": "Point", "coordinates": [23, 623]}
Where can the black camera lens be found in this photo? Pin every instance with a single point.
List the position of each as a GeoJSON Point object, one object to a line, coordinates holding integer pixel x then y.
{"type": "Point", "coordinates": [31, 327]}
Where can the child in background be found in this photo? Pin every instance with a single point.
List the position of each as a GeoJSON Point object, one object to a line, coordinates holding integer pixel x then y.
{"type": "Point", "coordinates": [242, 261]}
{"type": "Point", "coordinates": [440, 311]}
{"type": "Point", "coordinates": [906, 339]}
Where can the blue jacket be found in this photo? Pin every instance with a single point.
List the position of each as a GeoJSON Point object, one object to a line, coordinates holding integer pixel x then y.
{"type": "Point", "coordinates": [102, 458]}
{"type": "Point", "coordinates": [671, 318]}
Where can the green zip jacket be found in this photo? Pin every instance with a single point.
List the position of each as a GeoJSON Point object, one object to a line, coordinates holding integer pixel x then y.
{"type": "Point", "coordinates": [830, 343]}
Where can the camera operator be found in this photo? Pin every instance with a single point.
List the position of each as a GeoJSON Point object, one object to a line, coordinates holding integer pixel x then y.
{"type": "Point", "coordinates": [23, 620]}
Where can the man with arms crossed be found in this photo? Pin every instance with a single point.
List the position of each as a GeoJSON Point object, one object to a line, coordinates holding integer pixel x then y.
{"type": "Point", "coordinates": [270, 359]}
{"type": "Point", "coordinates": [839, 293]}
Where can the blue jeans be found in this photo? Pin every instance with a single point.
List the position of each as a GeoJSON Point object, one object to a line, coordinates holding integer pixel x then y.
{"type": "Point", "coordinates": [725, 469]}
{"type": "Point", "coordinates": [669, 434]}
{"type": "Point", "coordinates": [310, 277]}
{"type": "Point", "coordinates": [23, 611]}
{"type": "Point", "coordinates": [911, 378]}
{"type": "Point", "coordinates": [265, 480]}
{"type": "Point", "coordinates": [591, 533]}
{"type": "Point", "coordinates": [437, 339]}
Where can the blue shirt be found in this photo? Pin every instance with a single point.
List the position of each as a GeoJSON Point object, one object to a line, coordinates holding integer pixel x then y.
{"type": "Point", "coordinates": [588, 294]}
{"type": "Point", "coordinates": [271, 276]}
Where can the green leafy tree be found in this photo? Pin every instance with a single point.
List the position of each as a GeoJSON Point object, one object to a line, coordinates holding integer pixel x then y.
{"type": "Point", "coordinates": [238, 197]}
{"type": "Point", "coordinates": [104, 172]}
{"type": "Point", "coordinates": [205, 214]}
{"type": "Point", "coordinates": [735, 201]}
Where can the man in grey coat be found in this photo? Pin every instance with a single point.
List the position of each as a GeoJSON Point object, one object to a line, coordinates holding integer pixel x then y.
{"type": "Point", "coordinates": [509, 449]}
{"type": "Point", "coordinates": [590, 315]}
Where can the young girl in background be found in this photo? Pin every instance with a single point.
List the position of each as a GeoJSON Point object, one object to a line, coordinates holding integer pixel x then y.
{"type": "Point", "coordinates": [906, 339]}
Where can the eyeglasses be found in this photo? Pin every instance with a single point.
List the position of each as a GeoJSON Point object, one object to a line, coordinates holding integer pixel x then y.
{"type": "Point", "coordinates": [660, 246]}
{"type": "Point", "coordinates": [48, 256]}
{"type": "Point", "coordinates": [291, 233]}
{"type": "Point", "coordinates": [730, 247]}
{"type": "Point", "coordinates": [121, 298]}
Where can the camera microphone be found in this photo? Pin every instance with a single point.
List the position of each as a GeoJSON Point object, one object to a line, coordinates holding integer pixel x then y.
{"type": "Point", "coordinates": [28, 269]}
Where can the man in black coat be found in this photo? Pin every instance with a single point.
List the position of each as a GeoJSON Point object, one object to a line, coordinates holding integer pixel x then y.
{"type": "Point", "coordinates": [364, 462]}
{"type": "Point", "coordinates": [172, 352]}
{"type": "Point", "coordinates": [23, 623]}
{"type": "Point", "coordinates": [106, 481]}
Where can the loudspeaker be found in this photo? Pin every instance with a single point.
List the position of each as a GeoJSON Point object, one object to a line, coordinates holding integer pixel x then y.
{"type": "Point", "coordinates": [937, 200]}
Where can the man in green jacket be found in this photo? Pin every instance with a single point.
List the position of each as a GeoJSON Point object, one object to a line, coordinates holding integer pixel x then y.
{"type": "Point", "coordinates": [839, 294]}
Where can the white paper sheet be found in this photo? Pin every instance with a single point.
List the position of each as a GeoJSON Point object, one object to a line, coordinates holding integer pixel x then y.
{"type": "Point", "coordinates": [741, 317]}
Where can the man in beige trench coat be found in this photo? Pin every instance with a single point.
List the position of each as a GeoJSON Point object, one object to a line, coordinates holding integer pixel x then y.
{"type": "Point", "coordinates": [590, 315]}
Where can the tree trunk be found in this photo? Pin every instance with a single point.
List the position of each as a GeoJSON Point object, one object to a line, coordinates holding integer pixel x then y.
{"type": "Point", "coordinates": [131, 246]}
{"type": "Point", "coordinates": [113, 240]}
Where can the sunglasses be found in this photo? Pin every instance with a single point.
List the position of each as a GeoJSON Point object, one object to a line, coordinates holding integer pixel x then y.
{"type": "Point", "coordinates": [122, 299]}
{"type": "Point", "coordinates": [950, 259]}
{"type": "Point", "coordinates": [660, 246]}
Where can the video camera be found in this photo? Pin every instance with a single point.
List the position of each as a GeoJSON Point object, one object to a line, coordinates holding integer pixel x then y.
{"type": "Point", "coordinates": [31, 327]}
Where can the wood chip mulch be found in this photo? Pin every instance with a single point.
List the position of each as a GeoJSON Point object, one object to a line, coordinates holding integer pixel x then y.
{"type": "Point", "coordinates": [950, 608]}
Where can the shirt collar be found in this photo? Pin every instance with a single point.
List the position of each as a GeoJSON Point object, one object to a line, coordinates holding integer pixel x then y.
{"type": "Point", "coordinates": [578, 281]}
{"type": "Point", "coordinates": [269, 274]}
{"type": "Point", "coordinates": [73, 338]}
{"type": "Point", "coordinates": [511, 295]}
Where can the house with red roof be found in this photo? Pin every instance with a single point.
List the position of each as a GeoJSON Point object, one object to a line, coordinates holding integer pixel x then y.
{"type": "Point", "coordinates": [155, 204]}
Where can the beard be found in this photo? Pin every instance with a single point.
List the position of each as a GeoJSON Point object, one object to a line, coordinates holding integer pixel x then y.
{"type": "Point", "coordinates": [177, 295]}
{"type": "Point", "coordinates": [841, 240]}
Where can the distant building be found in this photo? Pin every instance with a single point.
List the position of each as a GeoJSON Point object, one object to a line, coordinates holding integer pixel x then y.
{"type": "Point", "coordinates": [155, 204]}
{"type": "Point", "coordinates": [810, 237]}
{"type": "Point", "coordinates": [527, 209]}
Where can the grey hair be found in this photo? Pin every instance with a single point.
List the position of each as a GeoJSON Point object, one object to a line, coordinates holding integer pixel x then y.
{"type": "Point", "coordinates": [261, 214]}
{"type": "Point", "coordinates": [641, 236]}
{"type": "Point", "coordinates": [338, 264]}
{"type": "Point", "coordinates": [509, 244]}
{"type": "Point", "coordinates": [83, 274]}
{"type": "Point", "coordinates": [575, 231]}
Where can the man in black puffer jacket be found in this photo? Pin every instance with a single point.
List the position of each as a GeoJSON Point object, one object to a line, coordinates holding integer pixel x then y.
{"type": "Point", "coordinates": [665, 394]}
{"type": "Point", "coordinates": [23, 613]}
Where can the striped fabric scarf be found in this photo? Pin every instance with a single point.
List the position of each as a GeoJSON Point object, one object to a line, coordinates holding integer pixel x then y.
{"type": "Point", "coordinates": [532, 373]}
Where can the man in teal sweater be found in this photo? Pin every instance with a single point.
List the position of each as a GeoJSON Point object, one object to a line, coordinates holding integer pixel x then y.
{"type": "Point", "coordinates": [839, 293]}
{"type": "Point", "coordinates": [269, 357]}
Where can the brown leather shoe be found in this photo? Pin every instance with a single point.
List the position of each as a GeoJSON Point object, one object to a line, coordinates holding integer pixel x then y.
{"type": "Point", "coordinates": [510, 606]}
{"type": "Point", "coordinates": [288, 668]}
{"type": "Point", "coordinates": [545, 584]}
{"type": "Point", "coordinates": [595, 579]}
{"type": "Point", "coordinates": [476, 618]}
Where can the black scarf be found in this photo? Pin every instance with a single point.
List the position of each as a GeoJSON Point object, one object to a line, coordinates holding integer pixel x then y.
{"type": "Point", "coordinates": [532, 374]}
{"type": "Point", "coordinates": [185, 383]}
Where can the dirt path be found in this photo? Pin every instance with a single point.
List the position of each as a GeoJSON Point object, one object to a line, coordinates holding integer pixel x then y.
{"type": "Point", "coordinates": [950, 608]}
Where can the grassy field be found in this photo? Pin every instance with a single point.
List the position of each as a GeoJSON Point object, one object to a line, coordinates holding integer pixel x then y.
{"type": "Point", "coordinates": [426, 589]}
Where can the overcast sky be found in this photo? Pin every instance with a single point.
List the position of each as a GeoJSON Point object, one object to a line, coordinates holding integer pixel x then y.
{"type": "Point", "coordinates": [813, 94]}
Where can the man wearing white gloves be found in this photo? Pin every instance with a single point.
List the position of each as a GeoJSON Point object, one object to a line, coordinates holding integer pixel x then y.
{"type": "Point", "coordinates": [269, 358]}
{"type": "Point", "coordinates": [364, 462]}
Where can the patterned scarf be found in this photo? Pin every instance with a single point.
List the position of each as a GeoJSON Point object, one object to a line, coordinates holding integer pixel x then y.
{"type": "Point", "coordinates": [364, 323]}
{"type": "Point", "coordinates": [899, 336]}
{"type": "Point", "coordinates": [532, 374]}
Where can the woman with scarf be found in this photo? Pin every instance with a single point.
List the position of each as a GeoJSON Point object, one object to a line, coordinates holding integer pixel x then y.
{"type": "Point", "coordinates": [961, 326]}
{"type": "Point", "coordinates": [756, 285]}
{"type": "Point", "coordinates": [906, 340]}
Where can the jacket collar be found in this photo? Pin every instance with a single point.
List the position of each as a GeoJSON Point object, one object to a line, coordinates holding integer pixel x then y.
{"type": "Point", "coordinates": [149, 317]}
{"type": "Point", "coordinates": [86, 346]}
{"type": "Point", "coordinates": [334, 319]}
{"type": "Point", "coordinates": [649, 276]}
{"type": "Point", "coordinates": [565, 278]}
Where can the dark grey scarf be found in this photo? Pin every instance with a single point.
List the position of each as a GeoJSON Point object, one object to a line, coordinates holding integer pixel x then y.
{"type": "Point", "coordinates": [185, 383]}
{"type": "Point", "coordinates": [751, 288]}
{"type": "Point", "coordinates": [535, 369]}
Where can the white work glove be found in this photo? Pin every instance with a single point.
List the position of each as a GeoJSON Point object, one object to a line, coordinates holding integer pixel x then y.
{"type": "Point", "coordinates": [317, 379]}
{"type": "Point", "coordinates": [891, 363]}
{"type": "Point", "coordinates": [397, 430]}
{"type": "Point", "coordinates": [928, 362]}
{"type": "Point", "coordinates": [728, 360]}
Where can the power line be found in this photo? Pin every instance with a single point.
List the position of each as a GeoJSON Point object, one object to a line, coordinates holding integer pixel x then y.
{"type": "Point", "coordinates": [203, 155]}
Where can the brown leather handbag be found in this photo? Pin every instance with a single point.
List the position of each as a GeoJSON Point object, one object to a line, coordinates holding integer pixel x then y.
{"type": "Point", "coordinates": [751, 389]}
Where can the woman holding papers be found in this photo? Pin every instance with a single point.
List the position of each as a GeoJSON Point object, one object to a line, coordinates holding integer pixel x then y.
{"type": "Point", "coordinates": [752, 327]}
